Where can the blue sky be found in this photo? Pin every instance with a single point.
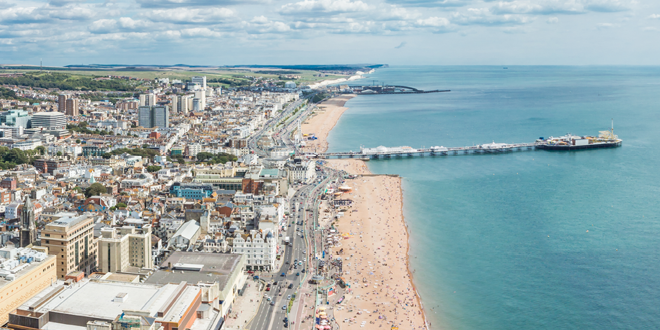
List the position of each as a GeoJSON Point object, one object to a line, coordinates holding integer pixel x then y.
{"type": "Point", "coordinates": [228, 32]}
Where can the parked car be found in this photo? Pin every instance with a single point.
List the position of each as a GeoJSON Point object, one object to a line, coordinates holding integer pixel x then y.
{"type": "Point", "coordinates": [291, 286]}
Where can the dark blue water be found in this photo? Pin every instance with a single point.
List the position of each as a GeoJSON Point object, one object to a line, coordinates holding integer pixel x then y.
{"type": "Point", "coordinates": [526, 240]}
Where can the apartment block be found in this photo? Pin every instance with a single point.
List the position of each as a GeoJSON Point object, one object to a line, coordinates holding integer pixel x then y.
{"type": "Point", "coordinates": [61, 102]}
{"type": "Point", "coordinates": [72, 107]}
{"type": "Point", "coordinates": [124, 247]}
{"type": "Point", "coordinates": [72, 240]}
{"type": "Point", "coordinates": [154, 116]}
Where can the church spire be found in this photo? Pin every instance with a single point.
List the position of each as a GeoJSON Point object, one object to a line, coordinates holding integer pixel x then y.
{"type": "Point", "coordinates": [28, 203]}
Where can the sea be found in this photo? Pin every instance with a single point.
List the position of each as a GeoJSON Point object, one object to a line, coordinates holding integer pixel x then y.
{"type": "Point", "coordinates": [530, 239]}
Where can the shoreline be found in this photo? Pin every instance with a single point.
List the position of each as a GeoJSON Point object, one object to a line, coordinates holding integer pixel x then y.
{"type": "Point", "coordinates": [323, 122]}
{"type": "Point", "coordinates": [356, 76]}
{"type": "Point", "coordinates": [375, 204]}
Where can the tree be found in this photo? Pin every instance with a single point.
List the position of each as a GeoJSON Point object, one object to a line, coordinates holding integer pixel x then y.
{"type": "Point", "coordinates": [78, 141]}
{"type": "Point", "coordinates": [95, 189]}
{"type": "Point", "coordinates": [153, 168]}
{"type": "Point", "coordinates": [16, 156]}
{"type": "Point", "coordinates": [145, 146]}
{"type": "Point", "coordinates": [121, 205]}
{"type": "Point", "coordinates": [40, 149]}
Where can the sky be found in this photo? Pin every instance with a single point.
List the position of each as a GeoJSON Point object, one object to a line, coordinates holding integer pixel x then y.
{"type": "Point", "coordinates": [395, 32]}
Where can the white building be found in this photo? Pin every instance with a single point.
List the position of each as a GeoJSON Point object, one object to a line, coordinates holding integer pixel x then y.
{"type": "Point", "coordinates": [147, 100]}
{"type": "Point", "coordinates": [260, 248]}
{"type": "Point", "coordinates": [194, 149]}
{"type": "Point", "coordinates": [27, 144]}
{"type": "Point", "coordinates": [201, 81]}
{"type": "Point", "coordinates": [302, 170]}
{"type": "Point", "coordinates": [186, 234]}
{"type": "Point", "coordinates": [122, 247]}
{"type": "Point", "coordinates": [49, 120]}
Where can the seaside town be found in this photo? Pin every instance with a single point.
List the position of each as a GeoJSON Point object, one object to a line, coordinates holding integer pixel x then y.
{"type": "Point", "coordinates": [190, 204]}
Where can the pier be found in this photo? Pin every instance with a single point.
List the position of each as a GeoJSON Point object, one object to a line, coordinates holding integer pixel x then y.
{"type": "Point", "coordinates": [401, 152]}
{"type": "Point", "coordinates": [392, 89]}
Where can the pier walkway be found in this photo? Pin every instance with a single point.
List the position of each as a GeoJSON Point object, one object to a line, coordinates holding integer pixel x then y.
{"type": "Point", "coordinates": [383, 152]}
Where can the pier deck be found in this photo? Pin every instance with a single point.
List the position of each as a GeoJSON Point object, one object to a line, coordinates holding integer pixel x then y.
{"type": "Point", "coordinates": [481, 149]}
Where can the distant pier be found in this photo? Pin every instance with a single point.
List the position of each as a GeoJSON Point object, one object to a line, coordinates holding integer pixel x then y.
{"type": "Point", "coordinates": [391, 89]}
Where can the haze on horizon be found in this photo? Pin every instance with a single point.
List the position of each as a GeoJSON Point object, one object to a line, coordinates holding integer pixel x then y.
{"type": "Point", "coordinates": [228, 32]}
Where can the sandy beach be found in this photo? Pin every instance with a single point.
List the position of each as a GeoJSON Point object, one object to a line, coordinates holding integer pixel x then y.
{"type": "Point", "coordinates": [323, 121]}
{"type": "Point", "coordinates": [375, 257]}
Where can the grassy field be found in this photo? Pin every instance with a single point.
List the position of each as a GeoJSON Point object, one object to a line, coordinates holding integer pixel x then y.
{"type": "Point", "coordinates": [307, 76]}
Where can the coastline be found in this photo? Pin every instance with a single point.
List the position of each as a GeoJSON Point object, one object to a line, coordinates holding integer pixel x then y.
{"type": "Point", "coordinates": [358, 75]}
{"type": "Point", "coordinates": [324, 119]}
{"type": "Point", "coordinates": [380, 259]}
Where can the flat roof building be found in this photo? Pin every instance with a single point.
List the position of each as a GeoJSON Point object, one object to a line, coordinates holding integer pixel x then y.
{"type": "Point", "coordinates": [49, 120]}
{"type": "Point", "coordinates": [112, 305]}
{"type": "Point", "coordinates": [72, 240]}
{"type": "Point", "coordinates": [21, 279]}
{"type": "Point", "coordinates": [226, 270]}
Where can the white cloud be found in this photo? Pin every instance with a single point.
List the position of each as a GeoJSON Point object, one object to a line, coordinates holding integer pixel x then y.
{"type": "Point", "coordinates": [263, 25]}
{"type": "Point", "coordinates": [605, 26]}
{"type": "Point", "coordinates": [483, 16]}
{"type": "Point", "coordinates": [323, 7]}
{"type": "Point", "coordinates": [190, 16]}
{"type": "Point", "coordinates": [609, 5]}
{"type": "Point", "coordinates": [123, 24]}
{"type": "Point", "coordinates": [200, 32]}
{"type": "Point", "coordinates": [514, 30]}
{"type": "Point", "coordinates": [103, 26]}
{"type": "Point", "coordinates": [129, 23]}
{"type": "Point", "coordinates": [435, 24]}
{"type": "Point", "coordinates": [655, 16]}
{"type": "Point", "coordinates": [553, 20]}
{"type": "Point", "coordinates": [543, 7]}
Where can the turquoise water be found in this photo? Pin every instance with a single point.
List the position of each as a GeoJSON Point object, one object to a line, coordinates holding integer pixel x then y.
{"type": "Point", "coordinates": [534, 239]}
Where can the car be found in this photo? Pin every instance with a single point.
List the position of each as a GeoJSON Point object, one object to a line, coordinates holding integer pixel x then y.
{"type": "Point", "coordinates": [297, 274]}
{"type": "Point", "coordinates": [303, 270]}
{"type": "Point", "coordinates": [283, 274]}
{"type": "Point", "coordinates": [286, 319]}
{"type": "Point", "coordinates": [272, 303]}
{"type": "Point", "coordinates": [284, 307]}
{"type": "Point", "coordinates": [275, 283]}
{"type": "Point", "coordinates": [267, 288]}
{"type": "Point", "coordinates": [291, 286]}
{"type": "Point", "coordinates": [286, 325]}
{"type": "Point", "coordinates": [288, 297]}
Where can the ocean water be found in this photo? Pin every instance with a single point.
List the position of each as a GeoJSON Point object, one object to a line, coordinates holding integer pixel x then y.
{"type": "Point", "coordinates": [533, 239]}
